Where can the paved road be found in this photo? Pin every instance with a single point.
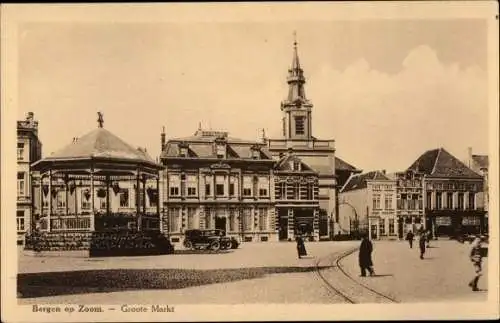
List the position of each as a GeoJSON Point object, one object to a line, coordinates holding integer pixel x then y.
{"type": "Point", "coordinates": [441, 276]}
{"type": "Point", "coordinates": [276, 288]}
{"type": "Point", "coordinates": [250, 255]}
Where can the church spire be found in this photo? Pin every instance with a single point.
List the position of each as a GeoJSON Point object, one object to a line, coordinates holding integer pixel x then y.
{"type": "Point", "coordinates": [296, 77]}
{"type": "Point", "coordinates": [296, 107]}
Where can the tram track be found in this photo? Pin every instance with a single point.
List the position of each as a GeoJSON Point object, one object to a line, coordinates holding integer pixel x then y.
{"type": "Point", "coordinates": [347, 288]}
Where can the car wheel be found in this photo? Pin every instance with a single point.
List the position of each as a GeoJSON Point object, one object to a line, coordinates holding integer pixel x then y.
{"type": "Point", "coordinates": [215, 246]}
{"type": "Point", "coordinates": [188, 244]}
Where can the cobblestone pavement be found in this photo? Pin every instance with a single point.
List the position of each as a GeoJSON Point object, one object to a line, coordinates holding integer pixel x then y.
{"type": "Point", "coordinates": [442, 275]}
{"type": "Point", "coordinates": [400, 274]}
{"type": "Point", "coordinates": [269, 254]}
{"type": "Point", "coordinates": [276, 288]}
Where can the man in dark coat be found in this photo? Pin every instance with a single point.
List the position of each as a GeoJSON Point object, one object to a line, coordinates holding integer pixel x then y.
{"type": "Point", "coordinates": [421, 243]}
{"type": "Point", "coordinates": [301, 248]}
{"type": "Point", "coordinates": [365, 256]}
{"type": "Point", "coordinates": [409, 237]}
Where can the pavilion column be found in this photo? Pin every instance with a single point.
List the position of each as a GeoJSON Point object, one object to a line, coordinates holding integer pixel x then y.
{"type": "Point", "coordinates": [76, 198]}
{"type": "Point", "coordinates": [158, 200]}
{"type": "Point", "coordinates": [92, 214]}
{"type": "Point", "coordinates": [144, 194]}
{"type": "Point", "coordinates": [107, 194]}
{"type": "Point", "coordinates": [49, 195]}
{"type": "Point", "coordinates": [41, 195]}
{"type": "Point", "coordinates": [137, 202]}
{"type": "Point", "coordinates": [66, 189]}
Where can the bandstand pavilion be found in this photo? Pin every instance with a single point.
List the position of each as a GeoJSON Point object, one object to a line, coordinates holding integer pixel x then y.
{"type": "Point", "coordinates": [96, 183]}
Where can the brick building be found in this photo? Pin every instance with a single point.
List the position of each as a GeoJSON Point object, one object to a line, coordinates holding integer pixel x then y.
{"type": "Point", "coordinates": [453, 194]}
{"type": "Point", "coordinates": [29, 150]}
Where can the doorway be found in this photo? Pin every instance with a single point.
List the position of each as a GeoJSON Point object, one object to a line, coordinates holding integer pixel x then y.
{"type": "Point", "coordinates": [283, 224]}
{"type": "Point", "coordinates": [220, 223]}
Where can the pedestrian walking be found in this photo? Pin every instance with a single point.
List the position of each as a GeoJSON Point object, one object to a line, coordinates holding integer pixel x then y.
{"type": "Point", "coordinates": [476, 257]}
{"type": "Point", "coordinates": [365, 257]}
{"type": "Point", "coordinates": [301, 248]}
{"type": "Point", "coordinates": [409, 237]}
{"type": "Point", "coordinates": [429, 237]}
{"type": "Point", "coordinates": [421, 243]}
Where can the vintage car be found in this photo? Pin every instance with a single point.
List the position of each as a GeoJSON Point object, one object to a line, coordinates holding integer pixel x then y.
{"type": "Point", "coordinates": [212, 239]}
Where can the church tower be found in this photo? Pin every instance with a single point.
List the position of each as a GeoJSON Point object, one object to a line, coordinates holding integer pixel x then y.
{"type": "Point", "coordinates": [296, 107]}
{"type": "Point", "coordinates": [318, 154]}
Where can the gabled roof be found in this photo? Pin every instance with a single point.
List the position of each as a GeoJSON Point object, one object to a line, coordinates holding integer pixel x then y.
{"type": "Point", "coordinates": [440, 163]}
{"type": "Point", "coordinates": [286, 162]}
{"type": "Point", "coordinates": [342, 165]}
{"type": "Point", "coordinates": [100, 143]}
{"type": "Point", "coordinates": [481, 161]}
{"type": "Point", "coordinates": [359, 181]}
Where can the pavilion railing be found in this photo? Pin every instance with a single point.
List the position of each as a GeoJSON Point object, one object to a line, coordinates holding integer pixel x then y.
{"type": "Point", "coordinates": [71, 223]}
{"type": "Point", "coordinates": [82, 222]}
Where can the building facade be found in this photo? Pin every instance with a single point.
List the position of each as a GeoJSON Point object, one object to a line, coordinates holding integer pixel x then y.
{"type": "Point", "coordinates": [453, 194]}
{"type": "Point", "coordinates": [213, 181]}
{"type": "Point", "coordinates": [367, 204]}
{"type": "Point", "coordinates": [296, 195]}
{"type": "Point", "coordinates": [410, 201]}
{"type": "Point", "coordinates": [480, 164]}
{"type": "Point", "coordinates": [29, 150]}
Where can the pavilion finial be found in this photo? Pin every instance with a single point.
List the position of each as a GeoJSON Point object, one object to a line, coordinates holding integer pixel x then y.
{"type": "Point", "coordinates": [100, 119]}
{"type": "Point", "coordinates": [199, 125]}
{"type": "Point", "coordinates": [295, 39]}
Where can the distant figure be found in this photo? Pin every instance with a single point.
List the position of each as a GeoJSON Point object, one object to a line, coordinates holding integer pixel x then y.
{"type": "Point", "coordinates": [301, 248]}
{"type": "Point", "coordinates": [365, 256]}
{"type": "Point", "coordinates": [409, 237]}
{"type": "Point", "coordinates": [476, 258]}
{"type": "Point", "coordinates": [428, 238]}
{"type": "Point", "coordinates": [421, 244]}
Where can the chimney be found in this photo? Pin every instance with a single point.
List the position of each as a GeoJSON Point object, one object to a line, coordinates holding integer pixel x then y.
{"type": "Point", "coordinates": [162, 139]}
{"type": "Point", "coordinates": [30, 116]}
{"type": "Point", "coordinates": [383, 171]}
{"type": "Point", "coordinates": [469, 156]}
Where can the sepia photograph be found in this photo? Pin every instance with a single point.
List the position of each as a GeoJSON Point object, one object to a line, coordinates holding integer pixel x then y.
{"type": "Point", "coordinates": [249, 161]}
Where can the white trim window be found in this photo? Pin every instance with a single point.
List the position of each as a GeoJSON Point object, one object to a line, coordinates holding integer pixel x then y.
{"type": "Point", "coordinates": [263, 186]}
{"type": "Point", "coordinates": [84, 201]}
{"type": "Point", "coordinates": [174, 217]}
{"type": "Point", "coordinates": [174, 183]}
{"type": "Point", "coordinates": [20, 220]}
{"type": "Point", "coordinates": [21, 184]}
{"type": "Point", "coordinates": [220, 187]}
{"type": "Point", "coordinates": [20, 151]}
{"type": "Point", "coordinates": [192, 184]}
{"type": "Point", "coordinates": [263, 219]}
{"type": "Point", "coordinates": [233, 220]}
{"type": "Point", "coordinates": [192, 218]}
{"type": "Point", "coordinates": [247, 219]}
{"type": "Point", "coordinates": [247, 186]}
{"type": "Point", "coordinates": [376, 202]}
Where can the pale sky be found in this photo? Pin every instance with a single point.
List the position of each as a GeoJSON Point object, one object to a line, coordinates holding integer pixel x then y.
{"type": "Point", "coordinates": [385, 90]}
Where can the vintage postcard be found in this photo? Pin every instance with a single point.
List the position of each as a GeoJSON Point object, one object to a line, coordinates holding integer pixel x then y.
{"type": "Point", "coordinates": [249, 161]}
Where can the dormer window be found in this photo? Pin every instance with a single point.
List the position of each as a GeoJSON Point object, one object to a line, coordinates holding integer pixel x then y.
{"type": "Point", "coordinates": [255, 152]}
{"type": "Point", "coordinates": [183, 149]}
{"type": "Point", "coordinates": [296, 165]}
{"type": "Point", "coordinates": [221, 151]}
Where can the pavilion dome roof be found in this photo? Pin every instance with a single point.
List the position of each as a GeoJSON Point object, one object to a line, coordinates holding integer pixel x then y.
{"type": "Point", "coordinates": [100, 143]}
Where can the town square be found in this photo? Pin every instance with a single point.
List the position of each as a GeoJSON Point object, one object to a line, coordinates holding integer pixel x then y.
{"type": "Point", "coordinates": [321, 162]}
